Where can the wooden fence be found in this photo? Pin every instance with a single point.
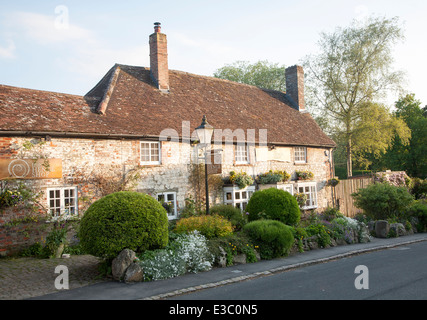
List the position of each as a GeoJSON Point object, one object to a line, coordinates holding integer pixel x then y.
{"type": "Point", "coordinates": [343, 191]}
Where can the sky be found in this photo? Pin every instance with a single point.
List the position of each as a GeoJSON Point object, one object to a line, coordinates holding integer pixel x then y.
{"type": "Point", "coordinates": [69, 45]}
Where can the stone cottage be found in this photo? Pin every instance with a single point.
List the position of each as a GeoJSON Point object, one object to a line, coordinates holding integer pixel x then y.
{"type": "Point", "coordinates": [139, 123]}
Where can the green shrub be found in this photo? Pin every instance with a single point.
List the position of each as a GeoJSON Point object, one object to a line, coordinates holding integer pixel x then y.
{"type": "Point", "coordinates": [234, 244]}
{"type": "Point", "coordinates": [381, 201]}
{"type": "Point", "coordinates": [419, 188]}
{"type": "Point", "coordinates": [233, 214]}
{"type": "Point", "coordinates": [210, 226]}
{"type": "Point", "coordinates": [321, 232]}
{"type": "Point", "coordinates": [419, 210]}
{"type": "Point", "coordinates": [330, 214]}
{"type": "Point", "coordinates": [122, 220]}
{"type": "Point", "coordinates": [273, 238]}
{"type": "Point", "coordinates": [274, 204]}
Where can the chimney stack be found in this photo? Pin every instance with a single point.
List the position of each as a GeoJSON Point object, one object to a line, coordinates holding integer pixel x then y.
{"type": "Point", "coordinates": [159, 58]}
{"type": "Point", "coordinates": [295, 86]}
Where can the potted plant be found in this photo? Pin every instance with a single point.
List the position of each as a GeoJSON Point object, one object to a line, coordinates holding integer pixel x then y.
{"type": "Point", "coordinates": [301, 199]}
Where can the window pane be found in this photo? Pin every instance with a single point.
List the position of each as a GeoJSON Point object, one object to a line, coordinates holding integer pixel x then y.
{"type": "Point", "coordinates": [237, 195]}
{"type": "Point", "coordinates": [244, 196]}
{"type": "Point", "coordinates": [244, 204]}
{"type": "Point", "coordinates": [241, 153]}
{"type": "Point", "coordinates": [229, 196]}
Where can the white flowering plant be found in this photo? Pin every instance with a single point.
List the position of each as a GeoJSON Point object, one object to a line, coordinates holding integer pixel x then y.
{"type": "Point", "coordinates": [186, 253]}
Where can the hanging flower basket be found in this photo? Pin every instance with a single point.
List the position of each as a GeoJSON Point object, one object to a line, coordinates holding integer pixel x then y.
{"type": "Point", "coordinates": [332, 182]}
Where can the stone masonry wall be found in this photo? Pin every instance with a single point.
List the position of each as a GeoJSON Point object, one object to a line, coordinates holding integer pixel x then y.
{"type": "Point", "coordinates": [86, 160]}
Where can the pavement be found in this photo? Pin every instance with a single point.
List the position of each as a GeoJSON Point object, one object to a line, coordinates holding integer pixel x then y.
{"type": "Point", "coordinates": [34, 278]}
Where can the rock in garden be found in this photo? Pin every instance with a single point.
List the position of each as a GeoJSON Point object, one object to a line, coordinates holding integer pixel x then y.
{"type": "Point", "coordinates": [121, 263]}
{"type": "Point", "coordinates": [134, 273]}
{"type": "Point", "coordinates": [239, 259]}
{"type": "Point", "coordinates": [398, 228]}
{"type": "Point", "coordinates": [382, 228]}
{"type": "Point", "coordinates": [222, 258]}
{"type": "Point", "coordinates": [364, 235]}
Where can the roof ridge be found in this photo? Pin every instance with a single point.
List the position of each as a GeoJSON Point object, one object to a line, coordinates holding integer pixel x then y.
{"type": "Point", "coordinates": [102, 107]}
{"type": "Point", "coordinates": [40, 90]}
{"type": "Point", "coordinates": [204, 77]}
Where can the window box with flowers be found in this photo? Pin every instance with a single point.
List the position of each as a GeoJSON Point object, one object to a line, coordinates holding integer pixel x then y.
{"type": "Point", "coordinates": [242, 179]}
{"type": "Point", "coordinates": [304, 175]}
{"type": "Point", "coordinates": [273, 177]}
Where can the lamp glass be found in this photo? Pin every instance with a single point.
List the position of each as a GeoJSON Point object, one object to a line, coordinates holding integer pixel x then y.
{"type": "Point", "coordinates": [205, 132]}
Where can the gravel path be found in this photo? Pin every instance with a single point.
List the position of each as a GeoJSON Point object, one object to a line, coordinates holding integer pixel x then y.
{"type": "Point", "coordinates": [22, 278]}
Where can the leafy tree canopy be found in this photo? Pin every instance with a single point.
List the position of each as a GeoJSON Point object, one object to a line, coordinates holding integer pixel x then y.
{"type": "Point", "coordinates": [262, 74]}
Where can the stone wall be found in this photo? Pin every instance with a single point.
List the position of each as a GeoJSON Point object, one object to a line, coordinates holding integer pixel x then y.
{"type": "Point", "coordinates": [86, 162]}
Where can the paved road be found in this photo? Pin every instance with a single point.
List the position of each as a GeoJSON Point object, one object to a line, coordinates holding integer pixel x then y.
{"type": "Point", "coordinates": [395, 273]}
{"type": "Point", "coordinates": [25, 278]}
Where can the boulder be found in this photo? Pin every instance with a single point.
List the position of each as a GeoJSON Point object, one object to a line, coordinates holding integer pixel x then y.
{"type": "Point", "coordinates": [239, 259]}
{"type": "Point", "coordinates": [382, 227]}
{"type": "Point", "coordinates": [134, 273]}
{"type": "Point", "coordinates": [121, 263]}
{"type": "Point", "coordinates": [221, 260]}
{"type": "Point", "coordinates": [364, 234]}
{"type": "Point", "coordinates": [398, 229]}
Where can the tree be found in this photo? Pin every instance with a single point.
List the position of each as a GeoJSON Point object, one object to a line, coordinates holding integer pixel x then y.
{"type": "Point", "coordinates": [261, 74]}
{"type": "Point", "coordinates": [374, 133]}
{"type": "Point", "coordinates": [411, 157]}
{"type": "Point", "coordinates": [353, 69]}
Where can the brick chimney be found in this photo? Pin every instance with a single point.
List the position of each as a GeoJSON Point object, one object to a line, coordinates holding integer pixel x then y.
{"type": "Point", "coordinates": [295, 86]}
{"type": "Point", "coordinates": [159, 58]}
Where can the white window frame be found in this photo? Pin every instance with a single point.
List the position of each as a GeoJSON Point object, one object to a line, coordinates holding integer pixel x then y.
{"type": "Point", "coordinates": [311, 193]}
{"type": "Point", "coordinates": [61, 199]}
{"type": "Point", "coordinates": [151, 148]}
{"type": "Point", "coordinates": [289, 187]}
{"type": "Point", "coordinates": [171, 215]}
{"type": "Point", "coordinates": [237, 197]}
{"type": "Point", "coordinates": [241, 152]}
{"type": "Point", "coordinates": [300, 154]}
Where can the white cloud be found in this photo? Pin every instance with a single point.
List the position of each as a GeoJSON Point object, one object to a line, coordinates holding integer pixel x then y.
{"type": "Point", "coordinates": [47, 29]}
{"type": "Point", "coordinates": [9, 51]}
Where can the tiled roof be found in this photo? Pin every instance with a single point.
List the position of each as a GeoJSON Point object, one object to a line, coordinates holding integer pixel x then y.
{"type": "Point", "coordinates": [135, 107]}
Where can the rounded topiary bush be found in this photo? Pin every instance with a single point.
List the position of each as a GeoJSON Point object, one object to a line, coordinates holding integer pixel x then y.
{"type": "Point", "coordinates": [274, 204]}
{"type": "Point", "coordinates": [273, 238]}
{"type": "Point", "coordinates": [123, 220]}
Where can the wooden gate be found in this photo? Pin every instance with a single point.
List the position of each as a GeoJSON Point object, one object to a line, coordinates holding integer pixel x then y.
{"type": "Point", "coordinates": [343, 192]}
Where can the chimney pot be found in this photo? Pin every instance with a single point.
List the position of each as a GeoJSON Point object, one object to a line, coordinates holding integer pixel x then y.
{"type": "Point", "coordinates": [157, 27]}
